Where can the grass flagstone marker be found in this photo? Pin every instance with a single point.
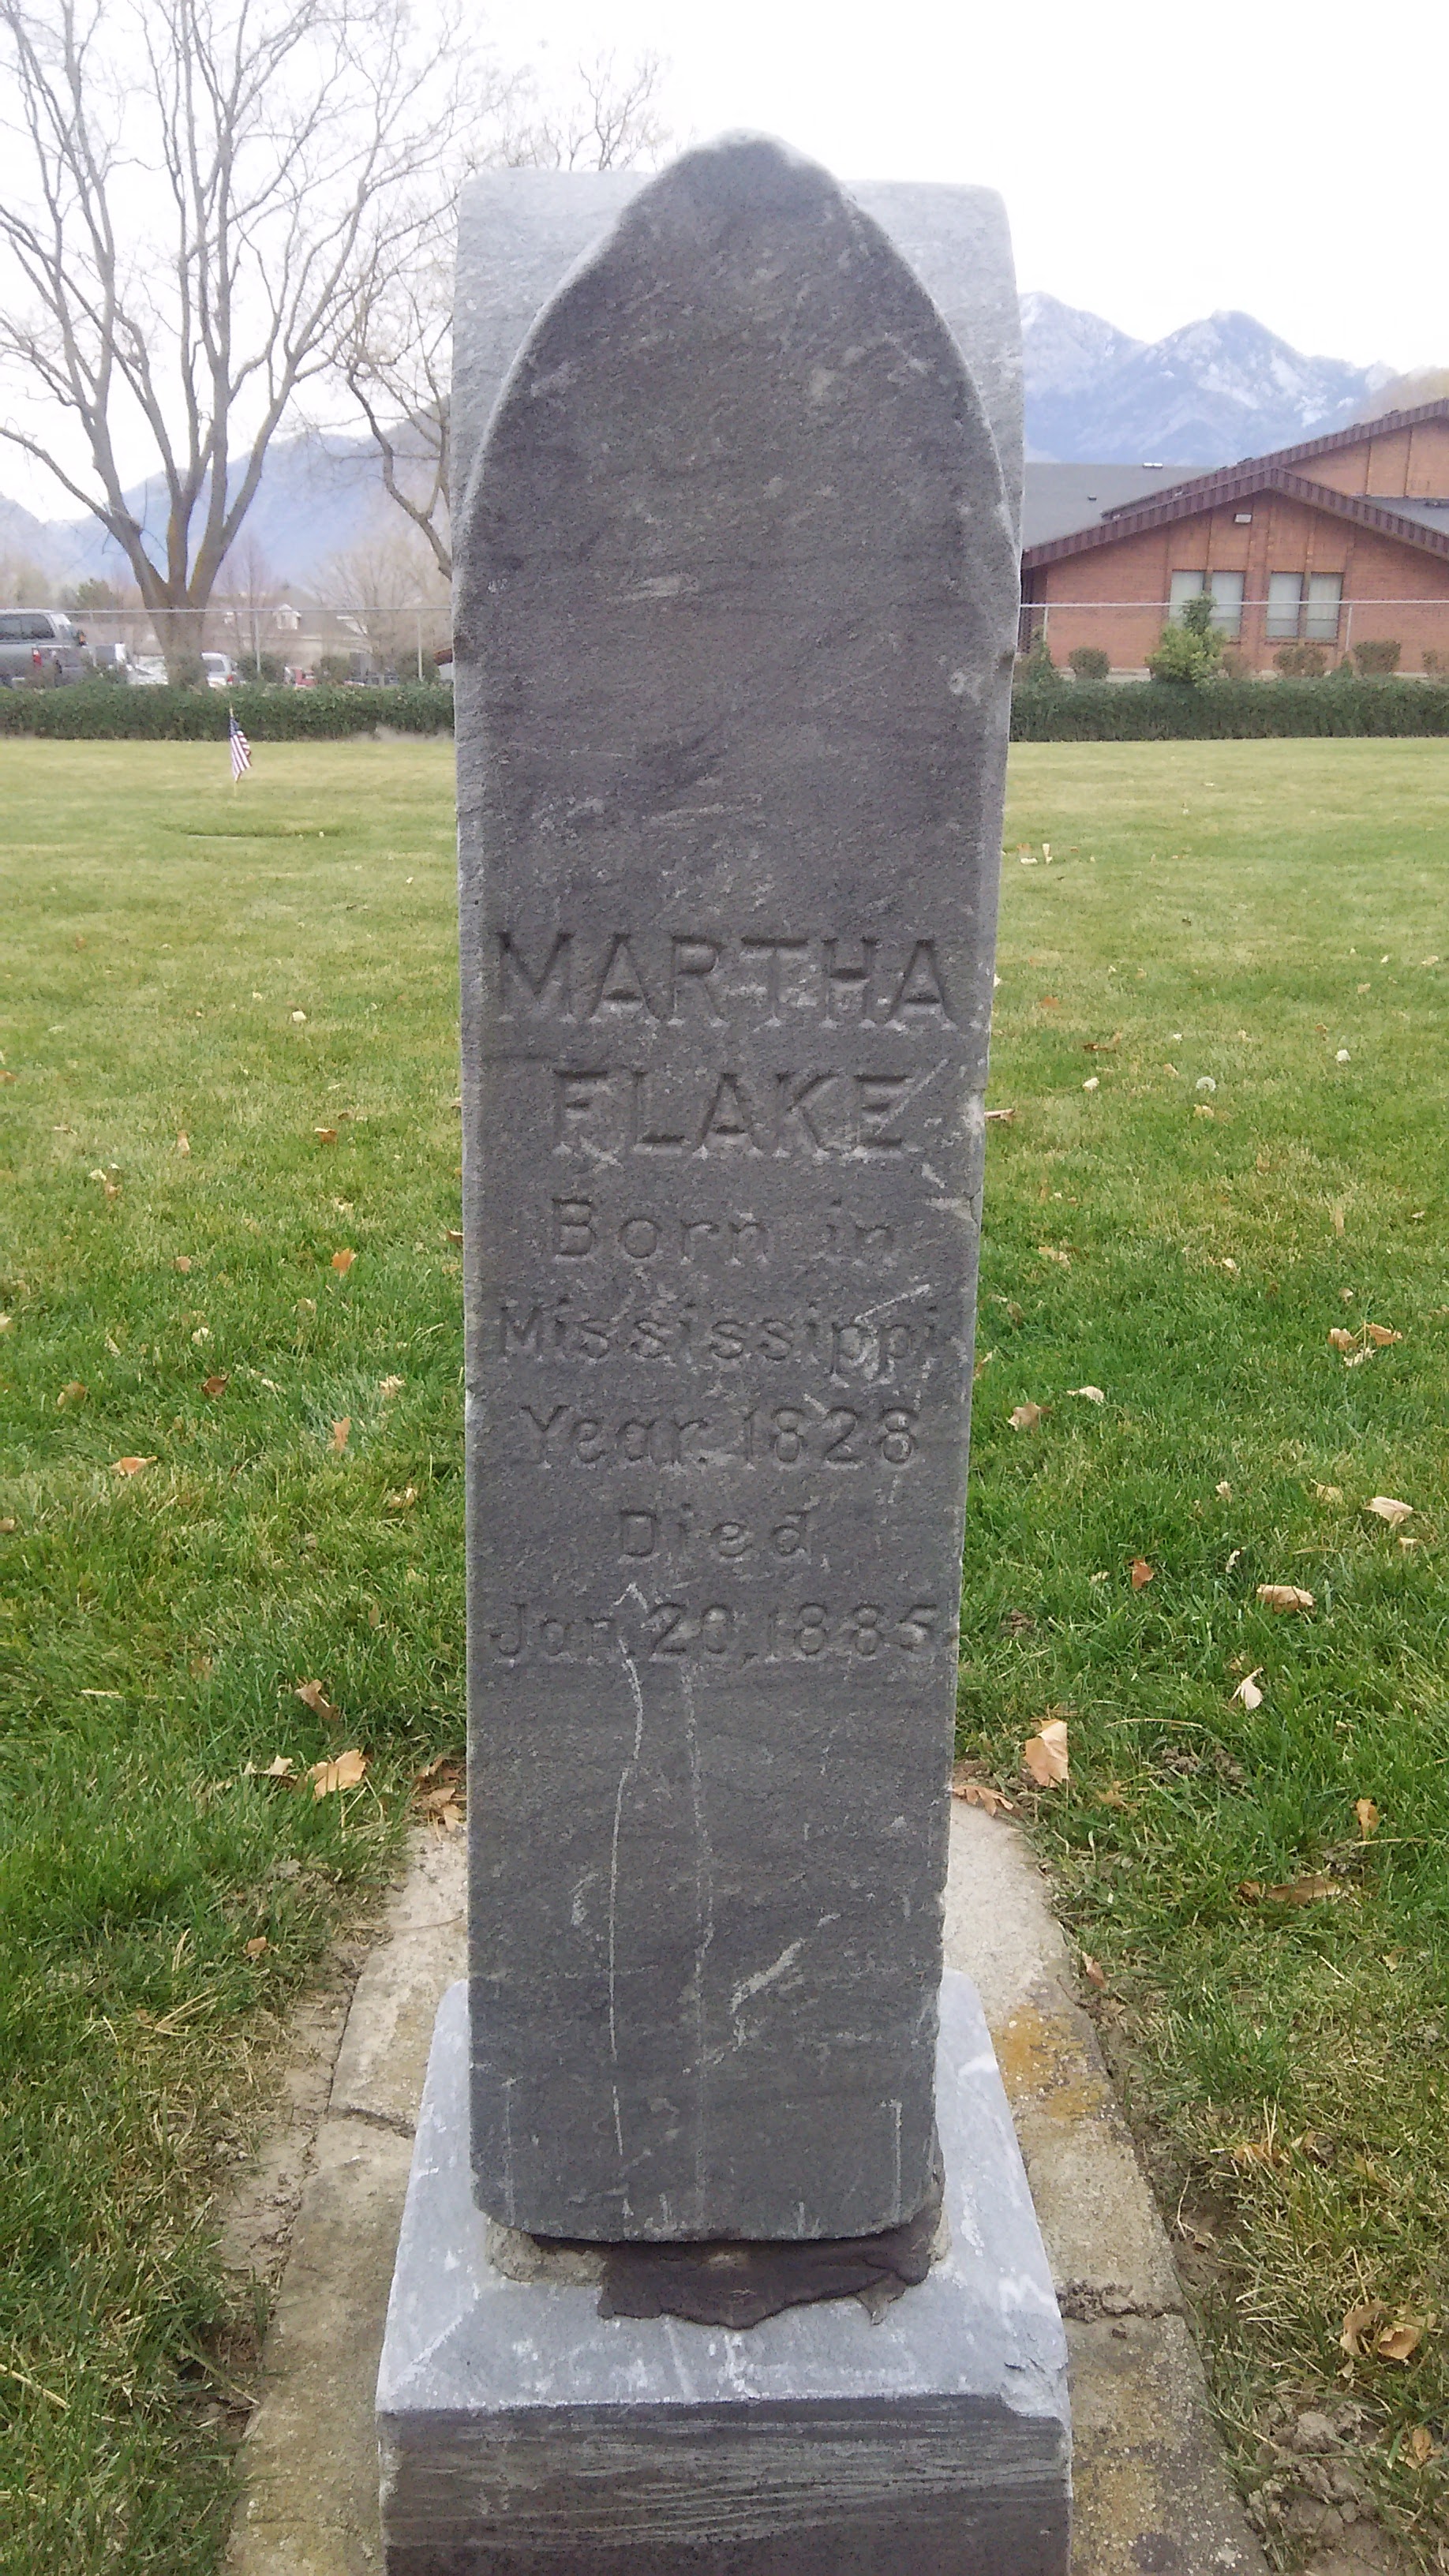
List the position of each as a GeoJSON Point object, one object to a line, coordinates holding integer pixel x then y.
{"type": "Point", "coordinates": [736, 603]}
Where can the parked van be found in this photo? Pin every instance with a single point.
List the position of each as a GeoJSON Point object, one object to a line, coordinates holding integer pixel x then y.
{"type": "Point", "coordinates": [221, 671]}
{"type": "Point", "coordinates": [38, 644]}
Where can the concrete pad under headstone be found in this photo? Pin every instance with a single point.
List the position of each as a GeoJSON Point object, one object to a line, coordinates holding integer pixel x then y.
{"type": "Point", "coordinates": [523, 2435]}
{"type": "Point", "coordinates": [1147, 2468]}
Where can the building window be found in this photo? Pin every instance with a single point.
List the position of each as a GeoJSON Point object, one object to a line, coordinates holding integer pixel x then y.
{"type": "Point", "coordinates": [1325, 594]}
{"type": "Point", "coordinates": [1184, 586]}
{"type": "Point", "coordinates": [1285, 598]}
{"type": "Point", "coordinates": [1227, 589]}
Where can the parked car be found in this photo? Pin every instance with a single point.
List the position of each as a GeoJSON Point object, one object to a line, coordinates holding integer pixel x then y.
{"type": "Point", "coordinates": [39, 645]}
{"type": "Point", "coordinates": [146, 671]}
{"type": "Point", "coordinates": [221, 671]}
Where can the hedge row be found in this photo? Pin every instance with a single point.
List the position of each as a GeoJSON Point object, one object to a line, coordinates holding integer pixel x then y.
{"type": "Point", "coordinates": [1077, 711]}
{"type": "Point", "coordinates": [100, 711]}
{"type": "Point", "coordinates": [1224, 710]}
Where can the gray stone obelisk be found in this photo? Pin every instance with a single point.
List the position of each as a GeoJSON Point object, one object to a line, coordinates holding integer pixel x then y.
{"type": "Point", "coordinates": [735, 612]}
{"type": "Point", "coordinates": [734, 623]}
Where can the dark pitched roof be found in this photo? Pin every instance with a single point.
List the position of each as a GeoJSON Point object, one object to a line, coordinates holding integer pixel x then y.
{"type": "Point", "coordinates": [1241, 483]}
{"type": "Point", "coordinates": [1060, 498]}
{"type": "Point", "coordinates": [1334, 441]}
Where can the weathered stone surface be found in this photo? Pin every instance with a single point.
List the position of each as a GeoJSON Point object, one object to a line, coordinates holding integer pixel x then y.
{"type": "Point", "coordinates": [520, 231]}
{"type": "Point", "coordinates": [736, 604]}
{"type": "Point", "coordinates": [523, 2435]}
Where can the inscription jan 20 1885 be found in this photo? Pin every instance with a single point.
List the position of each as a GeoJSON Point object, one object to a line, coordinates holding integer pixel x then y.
{"type": "Point", "coordinates": [735, 596]}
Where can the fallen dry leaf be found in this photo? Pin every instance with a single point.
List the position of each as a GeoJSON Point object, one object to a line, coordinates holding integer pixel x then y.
{"type": "Point", "coordinates": [130, 1466]}
{"type": "Point", "coordinates": [1092, 1083]}
{"type": "Point", "coordinates": [325, 1135]}
{"type": "Point", "coordinates": [313, 1696]}
{"type": "Point", "coordinates": [1336, 1214]}
{"type": "Point", "coordinates": [1093, 1394]}
{"type": "Point", "coordinates": [1258, 2151]}
{"type": "Point", "coordinates": [1388, 1510]}
{"type": "Point", "coordinates": [1049, 1002]}
{"type": "Point", "coordinates": [1000, 1117]}
{"type": "Point", "coordinates": [74, 1393]}
{"type": "Point", "coordinates": [1307, 1891]}
{"type": "Point", "coordinates": [390, 1386]}
{"type": "Point", "coordinates": [280, 1767]}
{"type": "Point", "coordinates": [1380, 1336]}
{"type": "Point", "coordinates": [452, 1234]}
{"type": "Point", "coordinates": [1051, 1252]}
{"type": "Point", "coordinates": [255, 1948]}
{"type": "Point", "coordinates": [342, 1262]}
{"type": "Point", "coordinates": [182, 1261]}
{"type": "Point", "coordinates": [1328, 1493]}
{"type": "Point", "coordinates": [1044, 1755]}
{"type": "Point", "coordinates": [402, 1502]}
{"type": "Point", "coordinates": [213, 1385]}
{"type": "Point", "coordinates": [1025, 1417]}
{"type": "Point", "coordinates": [1225, 1493]}
{"type": "Point", "coordinates": [1284, 1596]}
{"type": "Point", "coordinates": [1248, 1691]}
{"type": "Point", "coordinates": [978, 1793]}
{"type": "Point", "coordinates": [341, 1434]}
{"type": "Point", "coordinates": [183, 1143]}
{"type": "Point", "coordinates": [1093, 1971]}
{"type": "Point", "coordinates": [1341, 1338]}
{"type": "Point", "coordinates": [1420, 2445]}
{"type": "Point", "coordinates": [347, 1772]}
{"type": "Point", "coordinates": [1201, 1110]}
{"type": "Point", "coordinates": [1368, 1816]}
{"type": "Point", "coordinates": [1114, 1795]}
{"type": "Point", "coordinates": [1102, 1046]}
{"type": "Point", "coordinates": [8, 1528]}
{"type": "Point", "coordinates": [1142, 1573]}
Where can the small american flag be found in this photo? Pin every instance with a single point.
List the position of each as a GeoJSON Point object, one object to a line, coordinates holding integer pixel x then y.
{"type": "Point", "coordinates": [241, 750]}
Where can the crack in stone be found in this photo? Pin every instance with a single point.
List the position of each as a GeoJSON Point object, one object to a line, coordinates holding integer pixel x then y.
{"type": "Point", "coordinates": [375, 2119]}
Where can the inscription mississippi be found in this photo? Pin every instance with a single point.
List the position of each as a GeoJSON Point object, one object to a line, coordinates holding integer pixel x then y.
{"type": "Point", "coordinates": [731, 726]}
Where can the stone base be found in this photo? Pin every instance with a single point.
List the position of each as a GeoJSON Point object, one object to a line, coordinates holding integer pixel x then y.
{"type": "Point", "coordinates": [521, 2434]}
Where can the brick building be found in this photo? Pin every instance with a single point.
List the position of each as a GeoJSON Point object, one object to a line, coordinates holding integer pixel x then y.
{"type": "Point", "coordinates": [1341, 541]}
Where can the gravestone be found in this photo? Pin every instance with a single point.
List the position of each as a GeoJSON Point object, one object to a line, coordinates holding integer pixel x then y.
{"type": "Point", "coordinates": [520, 232]}
{"type": "Point", "coordinates": [734, 623]}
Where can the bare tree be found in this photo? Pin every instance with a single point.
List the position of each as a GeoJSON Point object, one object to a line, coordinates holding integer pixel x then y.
{"type": "Point", "coordinates": [392, 602]}
{"type": "Point", "coordinates": [249, 599]}
{"type": "Point", "coordinates": [192, 190]}
{"type": "Point", "coordinates": [611, 120]}
{"type": "Point", "coordinates": [394, 350]}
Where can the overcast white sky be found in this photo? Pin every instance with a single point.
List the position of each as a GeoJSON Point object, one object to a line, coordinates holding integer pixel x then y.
{"type": "Point", "coordinates": [1157, 162]}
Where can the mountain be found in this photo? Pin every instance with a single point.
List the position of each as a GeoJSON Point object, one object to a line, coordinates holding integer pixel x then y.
{"type": "Point", "coordinates": [319, 495]}
{"type": "Point", "coordinates": [1205, 395]}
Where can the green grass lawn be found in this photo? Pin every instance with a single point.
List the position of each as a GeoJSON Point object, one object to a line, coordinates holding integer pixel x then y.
{"type": "Point", "coordinates": [1236, 914]}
